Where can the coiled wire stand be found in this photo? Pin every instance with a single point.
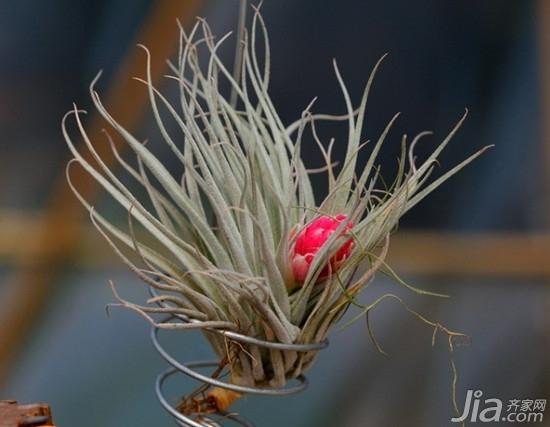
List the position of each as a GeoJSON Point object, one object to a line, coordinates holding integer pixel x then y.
{"type": "Point", "coordinates": [189, 369]}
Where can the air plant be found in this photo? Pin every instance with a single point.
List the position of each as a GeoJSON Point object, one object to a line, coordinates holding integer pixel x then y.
{"type": "Point", "coordinates": [236, 240]}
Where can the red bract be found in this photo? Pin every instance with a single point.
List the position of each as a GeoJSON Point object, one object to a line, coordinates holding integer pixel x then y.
{"type": "Point", "coordinates": [312, 238]}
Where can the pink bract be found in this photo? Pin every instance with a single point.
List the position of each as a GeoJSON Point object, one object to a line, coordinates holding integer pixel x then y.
{"type": "Point", "coordinates": [312, 238]}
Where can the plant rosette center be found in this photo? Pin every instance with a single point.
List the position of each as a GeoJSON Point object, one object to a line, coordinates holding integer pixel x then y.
{"type": "Point", "coordinates": [312, 239]}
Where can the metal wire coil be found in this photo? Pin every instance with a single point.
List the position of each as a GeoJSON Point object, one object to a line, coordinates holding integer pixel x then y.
{"type": "Point", "coordinates": [189, 369]}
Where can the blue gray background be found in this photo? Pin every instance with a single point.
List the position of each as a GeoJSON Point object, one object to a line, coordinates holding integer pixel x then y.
{"type": "Point", "coordinates": [444, 56]}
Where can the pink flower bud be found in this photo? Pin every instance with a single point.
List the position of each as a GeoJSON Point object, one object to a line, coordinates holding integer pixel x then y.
{"type": "Point", "coordinates": [311, 239]}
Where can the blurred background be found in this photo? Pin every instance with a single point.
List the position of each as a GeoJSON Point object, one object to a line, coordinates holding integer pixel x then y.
{"type": "Point", "coordinates": [482, 238]}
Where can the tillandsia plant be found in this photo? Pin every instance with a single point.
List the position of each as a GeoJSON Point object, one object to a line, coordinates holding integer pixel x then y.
{"type": "Point", "coordinates": [236, 240]}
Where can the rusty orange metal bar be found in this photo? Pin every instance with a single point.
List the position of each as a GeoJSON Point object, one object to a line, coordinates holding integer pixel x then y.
{"type": "Point", "coordinates": [502, 255]}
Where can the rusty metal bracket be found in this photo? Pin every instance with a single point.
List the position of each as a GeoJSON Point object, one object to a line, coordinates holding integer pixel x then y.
{"type": "Point", "coordinates": [34, 415]}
